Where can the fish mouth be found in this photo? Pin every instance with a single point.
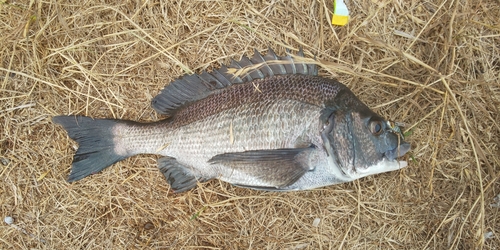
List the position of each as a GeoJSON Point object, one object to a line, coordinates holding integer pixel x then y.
{"type": "Point", "coordinates": [398, 151]}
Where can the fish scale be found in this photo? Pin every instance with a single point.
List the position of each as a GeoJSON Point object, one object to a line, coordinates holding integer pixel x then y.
{"type": "Point", "coordinates": [211, 136]}
{"type": "Point", "coordinates": [307, 89]}
{"type": "Point", "coordinates": [278, 127]}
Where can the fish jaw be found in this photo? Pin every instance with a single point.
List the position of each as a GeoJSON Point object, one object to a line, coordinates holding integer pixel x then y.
{"type": "Point", "coordinates": [399, 151]}
{"type": "Point", "coordinates": [329, 172]}
{"type": "Point", "coordinates": [382, 166]}
{"type": "Point", "coordinates": [387, 164]}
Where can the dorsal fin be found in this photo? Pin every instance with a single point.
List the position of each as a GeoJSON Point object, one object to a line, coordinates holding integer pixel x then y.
{"type": "Point", "coordinates": [191, 88]}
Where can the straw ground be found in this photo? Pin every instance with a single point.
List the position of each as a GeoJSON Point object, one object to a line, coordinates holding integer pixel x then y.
{"type": "Point", "coordinates": [434, 65]}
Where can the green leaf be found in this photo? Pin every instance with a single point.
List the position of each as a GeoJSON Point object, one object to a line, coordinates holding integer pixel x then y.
{"type": "Point", "coordinates": [408, 133]}
{"type": "Point", "coordinates": [197, 214]}
{"type": "Point", "coordinates": [413, 159]}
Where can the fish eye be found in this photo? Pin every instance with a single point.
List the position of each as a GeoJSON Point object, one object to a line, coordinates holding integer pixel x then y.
{"type": "Point", "coordinates": [376, 127]}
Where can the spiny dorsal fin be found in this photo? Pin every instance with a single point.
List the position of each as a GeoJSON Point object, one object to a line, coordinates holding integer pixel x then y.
{"type": "Point", "coordinates": [191, 88]}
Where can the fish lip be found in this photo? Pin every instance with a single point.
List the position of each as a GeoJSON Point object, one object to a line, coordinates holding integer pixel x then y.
{"type": "Point", "coordinates": [403, 164]}
{"type": "Point", "coordinates": [398, 151]}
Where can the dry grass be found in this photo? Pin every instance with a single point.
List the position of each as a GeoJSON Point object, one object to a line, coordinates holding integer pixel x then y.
{"type": "Point", "coordinates": [433, 65]}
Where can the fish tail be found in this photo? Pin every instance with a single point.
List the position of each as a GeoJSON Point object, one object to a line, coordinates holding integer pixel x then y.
{"type": "Point", "coordinates": [96, 149]}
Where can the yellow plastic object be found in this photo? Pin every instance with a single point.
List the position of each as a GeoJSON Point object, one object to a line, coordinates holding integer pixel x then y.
{"type": "Point", "coordinates": [340, 13]}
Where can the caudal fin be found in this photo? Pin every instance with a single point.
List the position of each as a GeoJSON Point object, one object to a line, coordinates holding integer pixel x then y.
{"type": "Point", "coordinates": [96, 146]}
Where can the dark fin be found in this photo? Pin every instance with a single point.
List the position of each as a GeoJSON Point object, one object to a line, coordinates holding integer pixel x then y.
{"type": "Point", "coordinates": [277, 69]}
{"type": "Point", "coordinates": [279, 167]}
{"type": "Point", "coordinates": [191, 88]}
{"type": "Point", "coordinates": [265, 70]}
{"type": "Point", "coordinates": [179, 177]}
{"type": "Point", "coordinates": [95, 144]}
{"type": "Point", "coordinates": [236, 65]}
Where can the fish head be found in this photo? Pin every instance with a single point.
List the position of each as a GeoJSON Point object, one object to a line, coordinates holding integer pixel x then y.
{"type": "Point", "coordinates": [362, 143]}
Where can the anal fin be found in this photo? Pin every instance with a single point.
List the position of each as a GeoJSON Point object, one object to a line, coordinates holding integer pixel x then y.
{"type": "Point", "coordinates": [179, 177]}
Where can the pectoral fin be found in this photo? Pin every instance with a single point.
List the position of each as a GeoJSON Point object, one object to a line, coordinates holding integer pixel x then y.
{"type": "Point", "coordinates": [266, 169]}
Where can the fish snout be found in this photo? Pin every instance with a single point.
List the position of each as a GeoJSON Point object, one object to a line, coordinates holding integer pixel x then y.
{"type": "Point", "coordinates": [399, 151]}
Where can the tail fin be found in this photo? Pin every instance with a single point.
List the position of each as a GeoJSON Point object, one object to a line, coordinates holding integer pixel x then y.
{"type": "Point", "coordinates": [96, 146]}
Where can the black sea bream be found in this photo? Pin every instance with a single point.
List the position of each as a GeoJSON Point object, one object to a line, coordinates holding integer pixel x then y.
{"type": "Point", "coordinates": [278, 127]}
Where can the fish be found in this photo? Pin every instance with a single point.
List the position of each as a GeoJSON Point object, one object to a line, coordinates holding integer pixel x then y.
{"type": "Point", "coordinates": [274, 126]}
